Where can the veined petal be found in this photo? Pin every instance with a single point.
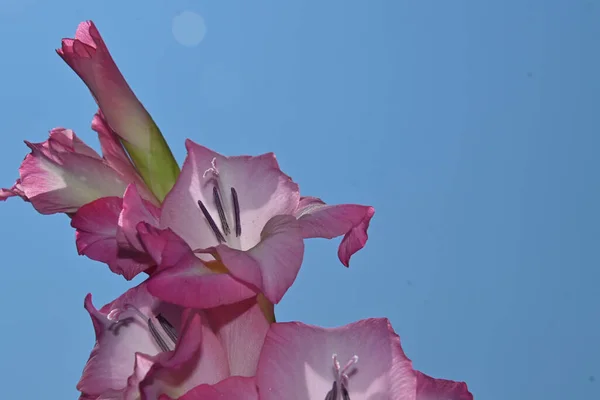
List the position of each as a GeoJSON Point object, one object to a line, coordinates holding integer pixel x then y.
{"type": "Point", "coordinates": [89, 57]}
{"type": "Point", "coordinates": [241, 328]}
{"type": "Point", "coordinates": [15, 190]}
{"type": "Point", "coordinates": [261, 189]}
{"type": "Point", "coordinates": [296, 362]}
{"type": "Point", "coordinates": [318, 219]}
{"type": "Point", "coordinates": [65, 140]}
{"type": "Point", "coordinates": [182, 278]}
{"type": "Point", "coordinates": [135, 210]}
{"type": "Point", "coordinates": [233, 388]}
{"type": "Point", "coordinates": [96, 225]}
{"type": "Point", "coordinates": [429, 388]}
{"type": "Point", "coordinates": [273, 264]}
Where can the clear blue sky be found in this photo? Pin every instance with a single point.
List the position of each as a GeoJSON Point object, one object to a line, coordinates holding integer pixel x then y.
{"type": "Point", "coordinates": [471, 126]}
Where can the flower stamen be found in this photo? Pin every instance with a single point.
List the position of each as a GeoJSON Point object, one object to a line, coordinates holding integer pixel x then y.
{"type": "Point", "coordinates": [236, 212]}
{"type": "Point", "coordinates": [339, 391]}
{"type": "Point", "coordinates": [211, 222]}
{"type": "Point", "coordinates": [166, 326]}
{"type": "Point", "coordinates": [221, 211]}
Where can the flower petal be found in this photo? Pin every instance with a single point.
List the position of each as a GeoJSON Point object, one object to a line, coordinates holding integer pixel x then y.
{"type": "Point", "coordinates": [273, 264]}
{"type": "Point", "coordinates": [263, 191]}
{"type": "Point", "coordinates": [198, 358]}
{"type": "Point", "coordinates": [233, 388]}
{"type": "Point", "coordinates": [241, 329]}
{"type": "Point", "coordinates": [429, 388]}
{"type": "Point", "coordinates": [296, 362]}
{"type": "Point", "coordinates": [16, 190]}
{"type": "Point", "coordinates": [116, 157]}
{"type": "Point", "coordinates": [318, 219]}
{"type": "Point", "coordinates": [96, 225]}
{"type": "Point", "coordinates": [135, 210]}
{"type": "Point", "coordinates": [182, 278]}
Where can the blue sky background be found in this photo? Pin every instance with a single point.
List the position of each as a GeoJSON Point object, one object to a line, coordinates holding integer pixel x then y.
{"type": "Point", "coordinates": [471, 127]}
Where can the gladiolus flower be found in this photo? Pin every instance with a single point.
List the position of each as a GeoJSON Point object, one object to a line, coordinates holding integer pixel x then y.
{"type": "Point", "coordinates": [360, 361]}
{"type": "Point", "coordinates": [63, 173]}
{"type": "Point", "coordinates": [148, 348]}
{"type": "Point", "coordinates": [248, 215]}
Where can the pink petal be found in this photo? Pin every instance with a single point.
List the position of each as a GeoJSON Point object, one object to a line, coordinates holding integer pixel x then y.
{"type": "Point", "coordinates": [65, 140]}
{"type": "Point", "coordinates": [135, 210]}
{"type": "Point", "coordinates": [351, 220]}
{"type": "Point", "coordinates": [429, 388]}
{"type": "Point", "coordinates": [57, 179]}
{"type": "Point", "coordinates": [296, 362]}
{"type": "Point", "coordinates": [96, 225]}
{"type": "Point", "coordinates": [273, 264]}
{"type": "Point", "coordinates": [89, 57]}
{"type": "Point", "coordinates": [198, 358]}
{"type": "Point", "coordinates": [241, 329]}
{"type": "Point", "coordinates": [182, 278]}
{"type": "Point", "coordinates": [233, 388]}
{"type": "Point", "coordinates": [116, 157]}
{"type": "Point", "coordinates": [262, 189]}
{"type": "Point", "coordinates": [112, 360]}
{"type": "Point", "coordinates": [16, 190]}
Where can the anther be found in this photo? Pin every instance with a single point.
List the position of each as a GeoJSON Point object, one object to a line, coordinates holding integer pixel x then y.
{"type": "Point", "coordinates": [345, 394]}
{"type": "Point", "coordinates": [211, 222]}
{"type": "Point", "coordinates": [167, 327]}
{"type": "Point", "coordinates": [156, 335]}
{"type": "Point", "coordinates": [339, 391]}
{"type": "Point", "coordinates": [221, 211]}
{"type": "Point", "coordinates": [332, 394]}
{"type": "Point", "coordinates": [236, 212]}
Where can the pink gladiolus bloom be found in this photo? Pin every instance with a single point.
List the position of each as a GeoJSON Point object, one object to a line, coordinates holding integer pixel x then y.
{"type": "Point", "coordinates": [63, 173]}
{"type": "Point", "coordinates": [360, 361]}
{"type": "Point", "coordinates": [148, 348]}
{"type": "Point", "coordinates": [249, 216]}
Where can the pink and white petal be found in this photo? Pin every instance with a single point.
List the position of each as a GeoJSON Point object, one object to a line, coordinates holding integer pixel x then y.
{"type": "Point", "coordinates": [62, 182]}
{"type": "Point", "coordinates": [429, 388]}
{"type": "Point", "coordinates": [65, 140]}
{"type": "Point", "coordinates": [15, 190]}
{"type": "Point", "coordinates": [198, 358]}
{"type": "Point", "coordinates": [182, 278]}
{"type": "Point", "coordinates": [273, 264]}
{"type": "Point", "coordinates": [241, 328]}
{"type": "Point", "coordinates": [263, 191]}
{"type": "Point", "coordinates": [318, 219]}
{"type": "Point", "coordinates": [233, 388]}
{"type": "Point", "coordinates": [135, 210]}
{"type": "Point", "coordinates": [296, 362]}
{"type": "Point", "coordinates": [116, 157]}
{"type": "Point", "coordinates": [113, 357]}
{"type": "Point", "coordinates": [95, 237]}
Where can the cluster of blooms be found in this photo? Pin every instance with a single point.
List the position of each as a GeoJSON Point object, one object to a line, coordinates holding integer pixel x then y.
{"type": "Point", "coordinates": [221, 241]}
